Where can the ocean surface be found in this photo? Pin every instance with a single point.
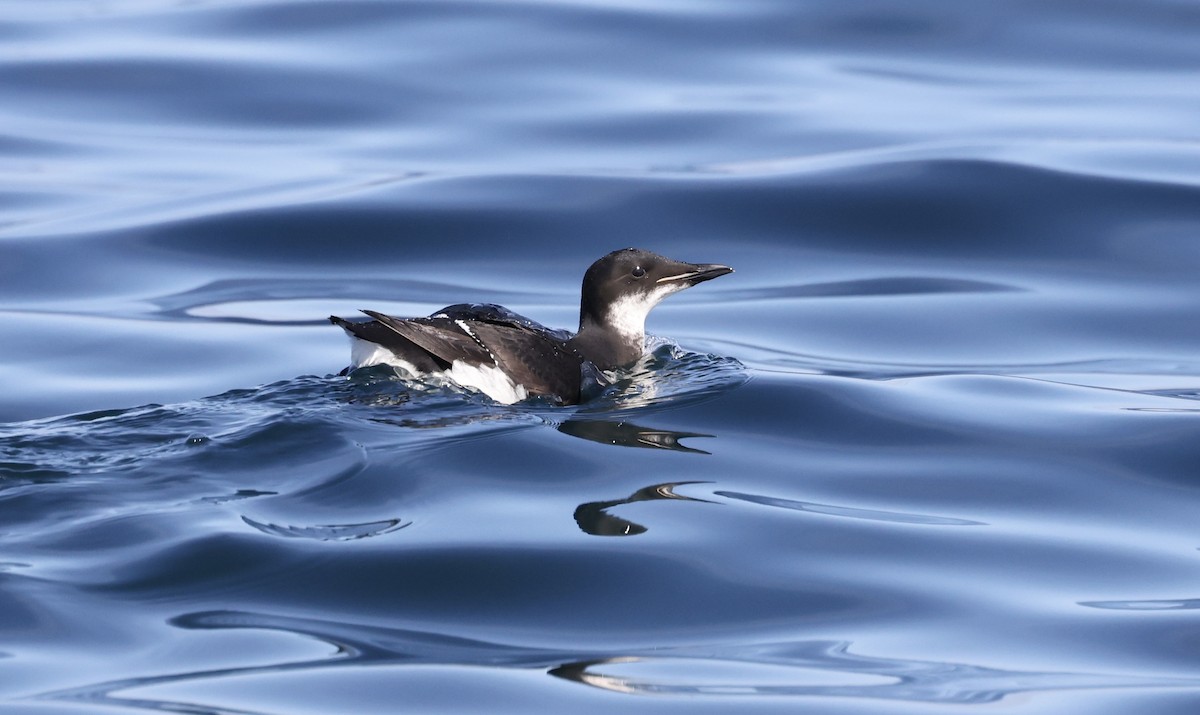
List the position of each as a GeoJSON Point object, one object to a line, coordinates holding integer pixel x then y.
{"type": "Point", "coordinates": [933, 448]}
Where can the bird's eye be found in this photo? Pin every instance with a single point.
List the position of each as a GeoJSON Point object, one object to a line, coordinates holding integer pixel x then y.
{"type": "Point", "coordinates": [638, 272]}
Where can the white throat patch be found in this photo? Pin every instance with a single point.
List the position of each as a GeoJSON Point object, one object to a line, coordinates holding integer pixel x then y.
{"type": "Point", "coordinates": [627, 315]}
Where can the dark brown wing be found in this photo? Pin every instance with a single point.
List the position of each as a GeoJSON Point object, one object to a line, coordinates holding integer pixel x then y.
{"type": "Point", "coordinates": [545, 366]}
{"type": "Point", "coordinates": [529, 354]}
{"type": "Point", "coordinates": [440, 337]}
{"type": "Point", "coordinates": [376, 332]}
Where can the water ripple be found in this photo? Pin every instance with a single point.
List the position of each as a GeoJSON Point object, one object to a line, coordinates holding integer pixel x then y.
{"type": "Point", "coordinates": [330, 532]}
{"type": "Point", "coordinates": [1184, 604]}
{"type": "Point", "coordinates": [850, 512]}
{"type": "Point", "coordinates": [801, 669]}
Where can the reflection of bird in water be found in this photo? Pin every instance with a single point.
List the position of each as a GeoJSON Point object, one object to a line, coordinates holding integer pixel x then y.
{"type": "Point", "coordinates": [627, 434]}
{"type": "Point", "coordinates": [593, 519]}
{"type": "Point", "coordinates": [509, 357]}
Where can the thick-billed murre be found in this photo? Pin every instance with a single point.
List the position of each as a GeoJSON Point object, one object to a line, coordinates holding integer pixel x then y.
{"type": "Point", "coordinates": [509, 357]}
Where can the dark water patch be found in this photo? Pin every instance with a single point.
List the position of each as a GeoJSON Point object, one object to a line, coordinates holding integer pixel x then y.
{"type": "Point", "coordinates": [185, 89]}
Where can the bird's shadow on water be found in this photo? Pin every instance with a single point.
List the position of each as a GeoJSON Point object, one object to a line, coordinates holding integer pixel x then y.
{"type": "Point", "coordinates": [593, 517]}
{"type": "Point", "coordinates": [668, 378]}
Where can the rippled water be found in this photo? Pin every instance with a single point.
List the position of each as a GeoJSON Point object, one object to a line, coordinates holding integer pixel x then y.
{"type": "Point", "coordinates": [934, 443]}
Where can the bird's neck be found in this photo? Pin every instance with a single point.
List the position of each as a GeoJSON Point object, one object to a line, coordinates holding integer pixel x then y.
{"type": "Point", "coordinates": [608, 345]}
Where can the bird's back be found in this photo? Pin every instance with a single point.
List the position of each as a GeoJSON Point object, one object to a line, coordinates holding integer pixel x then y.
{"type": "Point", "coordinates": [490, 348]}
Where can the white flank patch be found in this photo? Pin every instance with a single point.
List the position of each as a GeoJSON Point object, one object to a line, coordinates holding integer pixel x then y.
{"type": "Point", "coordinates": [489, 380]}
{"type": "Point", "coordinates": [628, 314]}
{"type": "Point", "coordinates": [364, 353]}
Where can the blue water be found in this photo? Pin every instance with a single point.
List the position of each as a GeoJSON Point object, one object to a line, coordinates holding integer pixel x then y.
{"type": "Point", "coordinates": [932, 448]}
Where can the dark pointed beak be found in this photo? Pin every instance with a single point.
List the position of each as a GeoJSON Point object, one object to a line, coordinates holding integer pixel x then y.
{"type": "Point", "coordinates": [693, 273]}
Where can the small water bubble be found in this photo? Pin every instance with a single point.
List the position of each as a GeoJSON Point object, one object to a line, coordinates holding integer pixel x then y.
{"type": "Point", "coordinates": [196, 440]}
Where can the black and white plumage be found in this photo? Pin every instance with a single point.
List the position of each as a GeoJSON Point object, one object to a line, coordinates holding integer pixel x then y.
{"type": "Point", "coordinates": [509, 357]}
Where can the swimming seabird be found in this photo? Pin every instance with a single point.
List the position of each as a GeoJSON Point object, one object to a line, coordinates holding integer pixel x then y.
{"type": "Point", "coordinates": [509, 357]}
